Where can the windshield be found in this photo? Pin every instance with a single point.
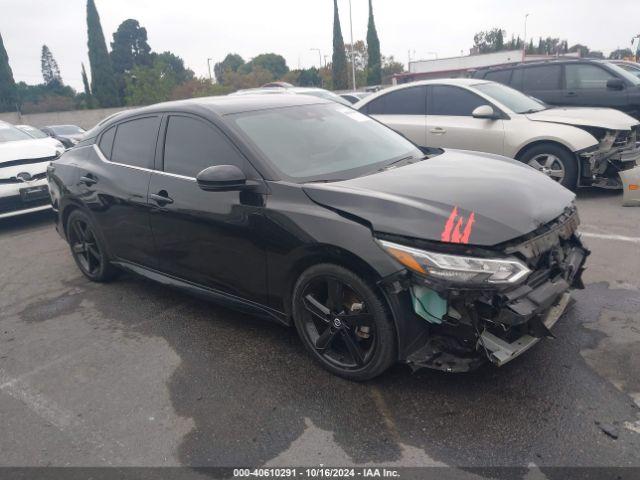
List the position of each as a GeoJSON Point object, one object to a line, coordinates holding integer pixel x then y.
{"type": "Point", "coordinates": [34, 132]}
{"type": "Point", "coordinates": [624, 73]}
{"type": "Point", "coordinates": [322, 142]}
{"type": "Point", "coordinates": [514, 100]}
{"type": "Point", "coordinates": [66, 130]}
{"type": "Point", "coordinates": [9, 133]}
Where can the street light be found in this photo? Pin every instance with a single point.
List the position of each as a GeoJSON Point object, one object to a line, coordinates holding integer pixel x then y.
{"type": "Point", "coordinates": [209, 67]}
{"type": "Point", "coordinates": [319, 55]}
{"type": "Point", "coordinates": [353, 57]}
{"type": "Point", "coordinates": [524, 45]}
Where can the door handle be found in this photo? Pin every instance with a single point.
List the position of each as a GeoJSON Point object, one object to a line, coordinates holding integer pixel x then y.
{"type": "Point", "coordinates": [571, 94]}
{"type": "Point", "coordinates": [161, 198]}
{"type": "Point", "coordinates": [88, 180]}
{"type": "Point", "coordinates": [438, 130]}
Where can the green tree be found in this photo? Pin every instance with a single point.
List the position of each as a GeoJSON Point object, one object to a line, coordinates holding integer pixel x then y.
{"type": "Point", "coordinates": [232, 62]}
{"type": "Point", "coordinates": [8, 94]}
{"type": "Point", "coordinates": [488, 41]}
{"type": "Point", "coordinates": [374, 63]}
{"type": "Point", "coordinates": [147, 85]}
{"type": "Point", "coordinates": [129, 47]}
{"type": "Point", "coordinates": [103, 81]}
{"type": "Point", "coordinates": [50, 69]}
{"type": "Point", "coordinates": [87, 89]}
{"type": "Point", "coordinates": [175, 65]}
{"type": "Point", "coordinates": [340, 72]}
{"type": "Point", "coordinates": [621, 54]}
{"type": "Point", "coordinates": [271, 62]}
{"type": "Point", "coordinates": [390, 67]}
{"type": "Point", "coordinates": [310, 77]}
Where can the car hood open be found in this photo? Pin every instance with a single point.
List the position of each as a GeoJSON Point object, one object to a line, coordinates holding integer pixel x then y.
{"type": "Point", "coordinates": [586, 117]}
{"type": "Point", "coordinates": [458, 197]}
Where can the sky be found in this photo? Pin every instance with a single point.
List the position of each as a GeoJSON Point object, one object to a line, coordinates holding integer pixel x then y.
{"type": "Point", "coordinates": [200, 29]}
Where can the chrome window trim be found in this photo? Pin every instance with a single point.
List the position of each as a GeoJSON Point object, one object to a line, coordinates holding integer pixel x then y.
{"type": "Point", "coordinates": [151, 170]}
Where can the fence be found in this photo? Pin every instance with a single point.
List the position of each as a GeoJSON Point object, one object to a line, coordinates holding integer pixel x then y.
{"type": "Point", "coordinates": [83, 118]}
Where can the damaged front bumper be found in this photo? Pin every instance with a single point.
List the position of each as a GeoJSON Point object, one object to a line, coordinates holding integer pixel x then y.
{"type": "Point", "coordinates": [465, 328]}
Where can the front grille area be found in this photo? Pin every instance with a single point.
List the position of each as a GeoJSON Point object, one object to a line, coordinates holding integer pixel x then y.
{"type": "Point", "coordinates": [15, 203]}
{"type": "Point", "coordinates": [14, 180]}
{"type": "Point", "coordinates": [27, 161]}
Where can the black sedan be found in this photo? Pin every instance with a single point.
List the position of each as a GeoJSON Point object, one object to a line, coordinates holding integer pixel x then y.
{"type": "Point", "coordinates": [68, 135]}
{"type": "Point", "coordinates": [315, 215]}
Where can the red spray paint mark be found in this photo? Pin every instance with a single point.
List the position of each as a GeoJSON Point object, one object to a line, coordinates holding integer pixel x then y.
{"type": "Point", "coordinates": [458, 234]}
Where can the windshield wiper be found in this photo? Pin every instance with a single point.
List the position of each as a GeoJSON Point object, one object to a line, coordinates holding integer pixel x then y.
{"type": "Point", "coordinates": [395, 162]}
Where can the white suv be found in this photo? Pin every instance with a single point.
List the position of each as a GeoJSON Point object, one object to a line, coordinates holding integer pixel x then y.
{"type": "Point", "coordinates": [574, 146]}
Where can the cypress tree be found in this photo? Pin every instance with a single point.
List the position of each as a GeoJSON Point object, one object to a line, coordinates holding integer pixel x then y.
{"type": "Point", "coordinates": [374, 62]}
{"type": "Point", "coordinates": [103, 81]}
{"type": "Point", "coordinates": [87, 89]}
{"type": "Point", "coordinates": [7, 83]}
{"type": "Point", "coordinates": [339, 69]}
{"type": "Point", "coordinates": [50, 69]}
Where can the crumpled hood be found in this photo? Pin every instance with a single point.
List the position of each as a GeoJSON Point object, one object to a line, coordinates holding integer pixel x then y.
{"type": "Point", "coordinates": [458, 197]}
{"type": "Point", "coordinates": [26, 149]}
{"type": "Point", "coordinates": [608, 118]}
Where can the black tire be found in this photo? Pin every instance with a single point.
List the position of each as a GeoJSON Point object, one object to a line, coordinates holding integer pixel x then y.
{"type": "Point", "coordinates": [360, 344]}
{"type": "Point", "coordinates": [538, 155]}
{"type": "Point", "coordinates": [88, 248]}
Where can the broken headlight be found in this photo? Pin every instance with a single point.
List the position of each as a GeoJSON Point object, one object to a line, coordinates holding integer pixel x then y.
{"type": "Point", "coordinates": [458, 268]}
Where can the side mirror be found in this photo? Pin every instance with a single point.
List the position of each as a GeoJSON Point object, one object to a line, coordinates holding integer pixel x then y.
{"type": "Point", "coordinates": [222, 178]}
{"type": "Point", "coordinates": [486, 112]}
{"type": "Point", "coordinates": [615, 84]}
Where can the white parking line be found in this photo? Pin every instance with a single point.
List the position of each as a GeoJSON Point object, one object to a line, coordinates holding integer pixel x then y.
{"type": "Point", "coordinates": [604, 236]}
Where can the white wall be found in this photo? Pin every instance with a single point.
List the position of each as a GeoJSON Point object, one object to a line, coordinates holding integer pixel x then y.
{"type": "Point", "coordinates": [83, 118]}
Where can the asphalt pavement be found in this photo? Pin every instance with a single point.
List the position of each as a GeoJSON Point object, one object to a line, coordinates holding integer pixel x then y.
{"type": "Point", "coordinates": [135, 374]}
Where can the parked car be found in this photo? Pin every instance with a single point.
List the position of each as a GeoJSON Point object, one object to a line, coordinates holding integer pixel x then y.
{"type": "Point", "coordinates": [311, 214]}
{"type": "Point", "coordinates": [37, 133]}
{"type": "Point", "coordinates": [578, 83]}
{"type": "Point", "coordinates": [631, 67]}
{"type": "Point", "coordinates": [23, 170]}
{"type": "Point", "coordinates": [354, 97]}
{"type": "Point", "coordinates": [277, 84]}
{"type": "Point", "coordinates": [68, 135]}
{"type": "Point", "coordinates": [314, 92]}
{"type": "Point", "coordinates": [574, 146]}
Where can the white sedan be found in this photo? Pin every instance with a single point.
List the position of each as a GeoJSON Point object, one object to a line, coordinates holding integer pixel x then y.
{"type": "Point", "coordinates": [23, 171]}
{"type": "Point", "coordinates": [574, 146]}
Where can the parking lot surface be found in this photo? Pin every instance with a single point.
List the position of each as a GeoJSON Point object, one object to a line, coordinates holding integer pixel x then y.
{"type": "Point", "coordinates": [135, 374]}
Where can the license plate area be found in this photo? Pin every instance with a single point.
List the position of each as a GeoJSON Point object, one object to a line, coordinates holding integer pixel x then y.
{"type": "Point", "coordinates": [33, 194]}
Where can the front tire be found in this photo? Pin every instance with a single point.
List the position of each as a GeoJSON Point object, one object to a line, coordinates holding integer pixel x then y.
{"type": "Point", "coordinates": [343, 322]}
{"type": "Point", "coordinates": [88, 249]}
{"type": "Point", "coordinates": [555, 162]}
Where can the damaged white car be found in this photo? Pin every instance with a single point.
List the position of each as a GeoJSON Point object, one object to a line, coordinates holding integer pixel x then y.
{"type": "Point", "coordinates": [23, 171]}
{"type": "Point", "coordinates": [574, 146]}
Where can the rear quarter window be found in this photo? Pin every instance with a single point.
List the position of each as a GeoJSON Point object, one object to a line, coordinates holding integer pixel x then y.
{"type": "Point", "coordinates": [106, 142]}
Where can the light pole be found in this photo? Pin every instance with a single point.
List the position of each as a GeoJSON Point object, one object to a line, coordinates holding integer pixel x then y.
{"type": "Point", "coordinates": [353, 57]}
{"type": "Point", "coordinates": [209, 67]}
{"type": "Point", "coordinates": [524, 46]}
{"type": "Point", "coordinates": [319, 56]}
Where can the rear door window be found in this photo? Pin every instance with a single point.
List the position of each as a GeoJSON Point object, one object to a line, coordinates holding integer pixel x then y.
{"type": "Point", "coordinates": [106, 142]}
{"type": "Point", "coordinates": [500, 76]}
{"type": "Point", "coordinates": [135, 142]}
{"type": "Point", "coordinates": [543, 77]}
{"type": "Point", "coordinates": [453, 101]}
{"type": "Point", "coordinates": [407, 101]}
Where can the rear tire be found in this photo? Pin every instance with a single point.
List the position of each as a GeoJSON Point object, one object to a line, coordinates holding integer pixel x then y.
{"type": "Point", "coordinates": [555, 162]}
{"type": "Point", "coordinates": [343, 322]}
{"type": "Point", "coordinates": [88, 248]}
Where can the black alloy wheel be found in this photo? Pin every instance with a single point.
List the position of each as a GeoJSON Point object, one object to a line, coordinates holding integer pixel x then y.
{"type": "Point", "coordinates": [87, 248]}
{"type": "Point", "coordinates": [343, 322]}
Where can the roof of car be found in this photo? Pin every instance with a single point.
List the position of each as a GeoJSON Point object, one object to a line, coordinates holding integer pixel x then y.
{"type": "Point", "coordinates": [228, 104]}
